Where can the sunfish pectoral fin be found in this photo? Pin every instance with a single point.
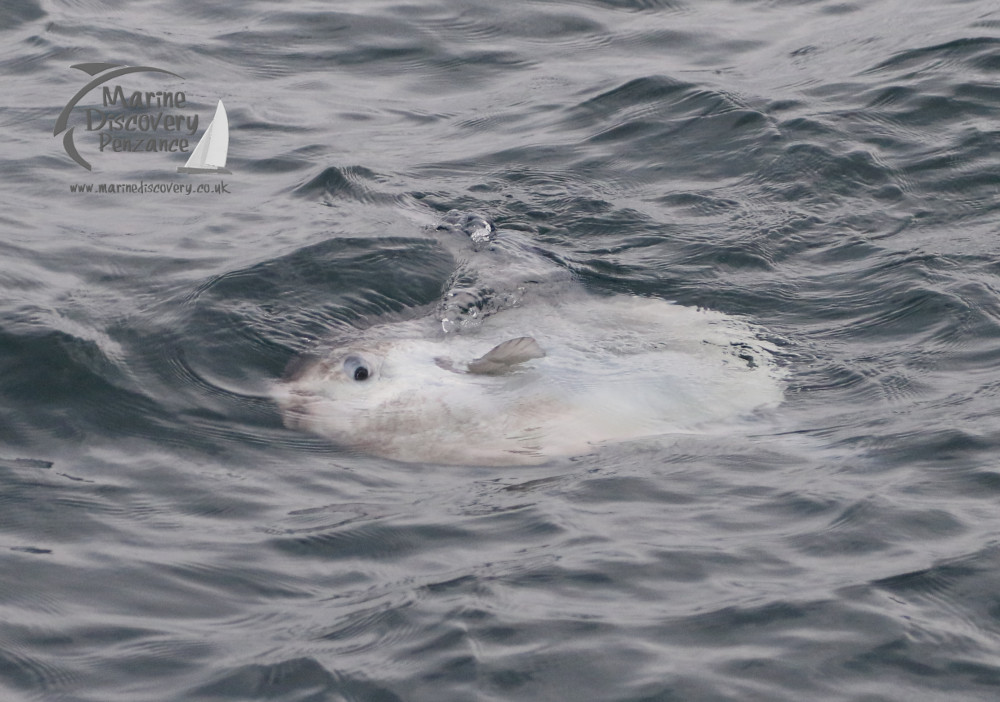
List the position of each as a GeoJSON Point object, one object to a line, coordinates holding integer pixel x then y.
{"type": "Point", "coordinates": [503, 357]}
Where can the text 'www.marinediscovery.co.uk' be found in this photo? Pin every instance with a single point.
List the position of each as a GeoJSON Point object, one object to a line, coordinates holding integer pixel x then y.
{"type": "Point", "coordinates": [143, 188]}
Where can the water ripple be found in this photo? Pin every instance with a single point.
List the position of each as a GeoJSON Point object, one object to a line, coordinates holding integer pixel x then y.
{"type": "Point", "coordinates": [824, 169]}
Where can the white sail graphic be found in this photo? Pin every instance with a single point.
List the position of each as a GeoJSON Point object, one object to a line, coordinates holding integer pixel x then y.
{"type": "Point", "coordinates": [209, 156]}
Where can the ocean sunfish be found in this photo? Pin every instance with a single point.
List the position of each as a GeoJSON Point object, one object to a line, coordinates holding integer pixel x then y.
{"type": "Point", "coordinates": [558, 377]}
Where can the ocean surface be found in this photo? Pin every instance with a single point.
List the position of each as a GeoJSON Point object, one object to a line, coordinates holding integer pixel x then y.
{"type": "Point", "coordinates": [827, 170]}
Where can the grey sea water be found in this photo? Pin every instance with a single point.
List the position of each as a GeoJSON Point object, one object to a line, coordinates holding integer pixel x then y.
{"type": "Point", "coordinates": [827, 170]}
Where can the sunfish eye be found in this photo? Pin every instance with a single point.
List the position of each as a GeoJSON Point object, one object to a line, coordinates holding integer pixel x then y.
{"type": "Point", "coordinates": [355, 367]}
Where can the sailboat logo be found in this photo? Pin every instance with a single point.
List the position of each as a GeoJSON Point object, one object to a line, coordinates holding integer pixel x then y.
{"type": "Point", "coordinates": [209, 156]}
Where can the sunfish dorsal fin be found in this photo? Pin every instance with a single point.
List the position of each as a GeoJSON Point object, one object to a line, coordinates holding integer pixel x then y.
{"type": "Point", "coordinates": [503, 356]}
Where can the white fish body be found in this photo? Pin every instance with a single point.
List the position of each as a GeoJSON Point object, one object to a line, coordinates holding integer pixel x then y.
{"type": "Point", "coordinates": [615, 368]}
